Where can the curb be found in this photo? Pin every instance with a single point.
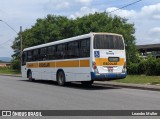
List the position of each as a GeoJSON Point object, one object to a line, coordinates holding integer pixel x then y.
{"type": "Point", "coordinates": [115, 84]}
{"type": "Point", "coordinates": [131, 86]}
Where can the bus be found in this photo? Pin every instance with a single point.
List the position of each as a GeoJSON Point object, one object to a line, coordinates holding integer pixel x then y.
{"type": "Point", "coordinates": [84, 58]}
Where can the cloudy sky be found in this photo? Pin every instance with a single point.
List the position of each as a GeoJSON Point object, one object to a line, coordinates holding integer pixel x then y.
{"type": "Point", "coordinates": [144, 14]}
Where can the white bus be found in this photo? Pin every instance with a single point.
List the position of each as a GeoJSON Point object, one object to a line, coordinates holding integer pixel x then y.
{"type": "Point", "coordinates": [85, 58]}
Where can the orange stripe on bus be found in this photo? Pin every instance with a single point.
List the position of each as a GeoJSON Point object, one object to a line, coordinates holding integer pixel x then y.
{"type": "Point", "coordinates": [67, 63]}
{"type": "Point", "coordinates": [73, 63]}
{"type": "Point", "coordinates": [84, 63]}
{"type": "Point", "coordinates": [52, 64]}
{"type": "Point", "coordinates": [32, 65]}
{"type": "Point", "coordinates": [46, 64]}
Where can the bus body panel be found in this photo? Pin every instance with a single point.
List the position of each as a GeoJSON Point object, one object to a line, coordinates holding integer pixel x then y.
{"type": "Point", "coordinates": [109, 70]}
{"type": "Point", "coordinates": [103, 63]}
{"type": "Point", "coordinates": [110, 63]}
{"type": "Point", "coordinates": [75, 70]}
{"type": "Point", "coordinates": [80, 69]}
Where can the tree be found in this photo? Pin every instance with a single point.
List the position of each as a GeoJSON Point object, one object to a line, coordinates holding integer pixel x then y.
{"type": "Point", "coordinates": [54, 28]}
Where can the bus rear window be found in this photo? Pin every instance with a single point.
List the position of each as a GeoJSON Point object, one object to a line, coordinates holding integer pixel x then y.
{"type": "Point", "coordinates": [108, 42]}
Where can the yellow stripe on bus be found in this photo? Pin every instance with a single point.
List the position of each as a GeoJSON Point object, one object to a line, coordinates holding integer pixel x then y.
{"type": "Point", "coordinates": [104, 61]}
{"type": "Point", "coordinates": [46, 64]}
{"type": "Point", "coordinates": [84, 63]}
{"type": "Point", "coordinates": [32, 65]}
{"type": "Point", "coordinates": [72, 63]}
{"type": "Point", "coordinates": [67, 63]}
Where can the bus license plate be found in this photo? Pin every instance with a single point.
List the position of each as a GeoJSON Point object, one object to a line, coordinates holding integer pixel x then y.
{"type": "Point", "coordinates": [110, 69]}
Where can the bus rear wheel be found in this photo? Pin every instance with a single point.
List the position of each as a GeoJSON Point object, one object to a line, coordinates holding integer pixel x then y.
{"type": "Point", "coordinates": [87, 83]}
{"type": "Point", "coordinates": [61, 78]}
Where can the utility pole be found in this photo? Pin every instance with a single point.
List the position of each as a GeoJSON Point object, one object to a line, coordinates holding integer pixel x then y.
{"type": "Point", "coordinates": [21, 43]}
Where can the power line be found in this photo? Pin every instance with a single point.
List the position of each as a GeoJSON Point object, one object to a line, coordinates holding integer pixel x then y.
{"type": "Point", "coordinates": [124, 6]}
{"type": "Point", "coordinates": [9, 26]}
{"type": "Point", "coordinates": [5, 42]}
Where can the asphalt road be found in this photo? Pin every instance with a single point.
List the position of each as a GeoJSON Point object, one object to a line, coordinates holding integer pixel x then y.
{"type": "Point", "coordinates": [18, 94]}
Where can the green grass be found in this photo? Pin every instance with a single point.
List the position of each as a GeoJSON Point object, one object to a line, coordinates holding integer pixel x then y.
{"type": "Point", "coordinates": [9, 71]}
{"type": "Point", "coordinates": [140, 79]}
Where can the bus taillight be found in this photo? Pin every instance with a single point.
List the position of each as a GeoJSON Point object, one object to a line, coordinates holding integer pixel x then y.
{"type": "Point", "coordinates": [124, 68]}
{"type": "Point", "coordinates": [95, 67]}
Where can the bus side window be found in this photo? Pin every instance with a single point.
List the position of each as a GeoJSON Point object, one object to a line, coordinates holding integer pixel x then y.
{"type": "Point", "coordinates": [35, 55]}
{"type": "Point", "coordinates": [29, 56]}
{"type": "Point", "coordinates": [60, 54]}
{"type": "Point", "coordinates": [43, 54]}
{"type": "Point", "coordinates": [76, 51]}
{"type": "Point", "coordinates": [73, 51]}
{"type": "Point", "coordinates": [24, 58]}
{"type": "Point", "coordinates": [51, 52]}
{"type": "Point", "coordinates": [85, 47]}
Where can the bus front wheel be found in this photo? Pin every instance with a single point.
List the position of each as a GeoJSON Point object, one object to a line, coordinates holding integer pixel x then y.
{"type": "Point", "coordinates": [61, 78]}
{"type": "Point", "coordinates": [30, 76]}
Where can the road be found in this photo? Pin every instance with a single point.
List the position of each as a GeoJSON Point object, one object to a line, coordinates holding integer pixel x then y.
{"type": "Point", "coordinates": [18, 94]}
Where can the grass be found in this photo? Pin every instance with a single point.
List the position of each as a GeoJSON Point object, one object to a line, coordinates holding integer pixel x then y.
{"type": "Point", "coordinates": [140, 79]}
{"type": "Point", "coordinates": [6, 70]}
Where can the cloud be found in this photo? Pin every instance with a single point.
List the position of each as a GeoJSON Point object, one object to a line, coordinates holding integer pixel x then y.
{"type": "Point", "coordinates": [83, 11]}
{"type": "Point", "coordinates": [57, 4]}
{"type": "Point", "coordinates": [65, 4]}
{"type": "Point", "coordinates": [152, 11]}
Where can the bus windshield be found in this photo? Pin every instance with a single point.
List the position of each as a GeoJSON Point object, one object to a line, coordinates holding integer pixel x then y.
{"type": "Point", "coordinates": [108, 42]}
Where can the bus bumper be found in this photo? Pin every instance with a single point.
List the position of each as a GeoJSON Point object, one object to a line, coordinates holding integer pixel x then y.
{"type": "Point", "coordinates": [107, 76]}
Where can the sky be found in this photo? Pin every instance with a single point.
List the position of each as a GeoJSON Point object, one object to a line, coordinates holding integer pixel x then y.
{"type": "Point", "coordinates": [145, 15]}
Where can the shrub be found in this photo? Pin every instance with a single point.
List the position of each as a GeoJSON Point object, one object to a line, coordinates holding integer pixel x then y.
{"type": "Point", "coordinates": [157, 69]}
{"type": "Point", "coordinates": [142, 67]}
{"type": "Point", "coordinates": [150, 67]}
{"type": "Point", "coordinates": [16, 65]}
{"type": "Point", "coordinates": [132, 68]}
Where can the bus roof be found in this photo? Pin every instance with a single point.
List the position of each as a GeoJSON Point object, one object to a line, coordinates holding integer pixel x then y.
{"type": "Point", "coordinates": [68, 39]}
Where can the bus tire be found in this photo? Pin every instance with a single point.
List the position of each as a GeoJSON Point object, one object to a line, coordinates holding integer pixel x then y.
{"type": "Point", "coordinates": [87, 83]}
{"type": "Point", "coordinates": [30, 76]}
{"type": "Point", "coordinates": [61, 78]}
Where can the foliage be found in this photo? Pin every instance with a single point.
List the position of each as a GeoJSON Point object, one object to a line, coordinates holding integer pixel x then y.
{"type": "Point", "coordinates": [142, 67]}
{"type": "Point", "coordinates": [15, 64]}
{"type": "Point", "coordinates": [54, 28]}
{"type": "Point", "coordinates": [132, 68]}
{"type": "Point", "coordinates": [150, 66]}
